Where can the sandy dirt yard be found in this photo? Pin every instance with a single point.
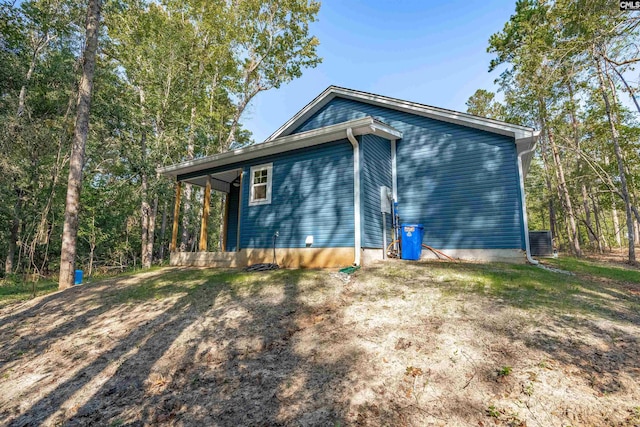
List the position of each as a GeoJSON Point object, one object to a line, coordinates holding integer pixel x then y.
{"type": "Point", "coordinates": [399, 344]}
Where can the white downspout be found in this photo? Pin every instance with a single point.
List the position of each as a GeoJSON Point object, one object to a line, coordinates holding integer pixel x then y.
{"type": "Point", "coordinates": [394, 171]}
{"type": "Point", "coordinates": [524, 204]}
{"type": "Point", "coordinates": [356, 195]}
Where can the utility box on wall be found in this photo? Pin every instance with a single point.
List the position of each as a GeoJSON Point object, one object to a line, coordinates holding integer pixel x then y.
{"type": "Point", "coordinates": [385, 200]}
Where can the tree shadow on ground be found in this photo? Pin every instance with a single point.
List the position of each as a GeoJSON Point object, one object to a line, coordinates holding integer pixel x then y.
{"type": "Point", "coordinates": [221, 348]}
{"type": "Point", "coordinates": [591, 322]}
{"type": "Point", "coordinates": [572, 338]}
{"type": "Point", "coordinates": [66, 312]}
{"type": "Point", "coordinates": [532, 288]}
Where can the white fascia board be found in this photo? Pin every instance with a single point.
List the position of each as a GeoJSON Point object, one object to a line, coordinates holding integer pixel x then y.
{"type": "Point", "coordinates": [363, 126]}
{"type": "Point", "coordinates": [379, 129]}
{"type": "Point", "coordinates": [450, 116]}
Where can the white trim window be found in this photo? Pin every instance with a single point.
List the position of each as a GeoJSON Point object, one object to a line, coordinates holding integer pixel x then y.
{"type": "Point", "coordinates": [260, 185]}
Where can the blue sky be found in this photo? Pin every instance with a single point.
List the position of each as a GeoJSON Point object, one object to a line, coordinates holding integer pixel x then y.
{"type": "Point", "coordinates": [432, 52]}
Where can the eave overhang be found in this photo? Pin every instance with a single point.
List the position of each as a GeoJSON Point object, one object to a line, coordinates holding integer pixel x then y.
{"type": "Point", "coordinates": [363, 126]}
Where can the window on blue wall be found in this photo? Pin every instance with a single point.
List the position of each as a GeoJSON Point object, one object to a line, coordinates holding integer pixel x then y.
{"type": "Point", "coordinates": [260, 193]}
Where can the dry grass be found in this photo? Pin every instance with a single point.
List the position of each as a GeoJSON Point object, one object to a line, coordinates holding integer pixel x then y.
{"type": "Point", "coordinates": [397, 344]}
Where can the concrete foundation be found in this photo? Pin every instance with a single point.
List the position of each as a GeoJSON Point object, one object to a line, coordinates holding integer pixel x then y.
{"type": "Point", "coordinates": [206, 259]}
{"type": "Point", "coordinates": [285, 257]}
{"type": "Point", "coordinates": [480, 255]}
{"type": "Point", "coordinates": [370, 256]}
{"type": "Point", "coordinates": [327, 257]}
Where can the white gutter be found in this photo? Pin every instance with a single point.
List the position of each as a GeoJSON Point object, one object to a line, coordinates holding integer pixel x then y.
{"type": "Point", "coordinates": [356, 195]}
{"type": "Point", "coordinates": [523, 201]}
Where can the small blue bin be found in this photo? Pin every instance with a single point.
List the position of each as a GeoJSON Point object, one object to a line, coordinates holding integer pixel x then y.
{"type": "Point", "coordinates": [411, 241]}
{"type": "Point", "coordinates": [77, 280]}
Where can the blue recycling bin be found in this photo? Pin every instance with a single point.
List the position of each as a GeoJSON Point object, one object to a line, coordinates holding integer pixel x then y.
{"type": "Point", "coordinates": [411, 240]}
{"type": "Point", "coordinates": [77, 280]}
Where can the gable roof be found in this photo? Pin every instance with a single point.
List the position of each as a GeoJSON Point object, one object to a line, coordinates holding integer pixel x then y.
{"type": "Point", "coordinates": [519, 133]}
{"type": "Point", "coordinates": [283, 140]}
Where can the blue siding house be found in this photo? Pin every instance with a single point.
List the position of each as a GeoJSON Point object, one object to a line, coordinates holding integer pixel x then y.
{"type": "Point", "coordinates": [313, 188]}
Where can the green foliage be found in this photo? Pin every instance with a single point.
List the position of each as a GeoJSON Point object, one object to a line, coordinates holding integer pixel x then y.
{"type": "Point", "coordinates": [505, 371]}
{"type": "Point", "coordinates": [172, 81]}
{"type": "Point", "coordinates": [493, 412]}
{"type": "Point", "coordinates": [14, 289]}
{"type": "Point", "coordinates": [554, 57]}
{"type": "Point", "coordinates": [619, 273]}
{"type": "Point", "coordinates": [482, 103]}
{"type": "Point", "coordinates": [577, 292]}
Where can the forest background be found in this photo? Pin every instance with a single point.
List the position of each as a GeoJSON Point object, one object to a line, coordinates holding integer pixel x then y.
{"type": "Point", "coordinates": [172, 80]}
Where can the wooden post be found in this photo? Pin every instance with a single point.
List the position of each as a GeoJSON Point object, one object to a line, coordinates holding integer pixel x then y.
{"type": "Point", "coordinates": [206, 202]}
{"type": "Point", "coordinates": [225, 221]}
{"type": "Point", "coordinates": [176, 217]}
{"type": "Point", "coordinates": [239, 214]}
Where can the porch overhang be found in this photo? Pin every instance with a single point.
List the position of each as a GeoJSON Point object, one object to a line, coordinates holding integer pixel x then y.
{"type": "Point", "coordinates": [196, 171]}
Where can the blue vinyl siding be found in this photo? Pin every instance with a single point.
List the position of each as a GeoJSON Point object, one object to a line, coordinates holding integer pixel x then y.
{"type": "Point", "coordinates": [232, 219]}
{"type": "Point", "coordinates": [461, 183]}
{"type": "Point", "coordinates": [375, 171]}
{"type": "Point", "coordinates": [312, 194]}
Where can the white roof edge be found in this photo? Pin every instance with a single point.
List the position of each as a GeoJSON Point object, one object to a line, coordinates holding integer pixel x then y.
{"type": "Point", "coordinates": [528, 137]}
{"type": "Point", "coordinates": [309, 109]}
{"type": "Point", "coordinates": [363, 126]}
{"type": "Point", "coordinates": [464, 119]}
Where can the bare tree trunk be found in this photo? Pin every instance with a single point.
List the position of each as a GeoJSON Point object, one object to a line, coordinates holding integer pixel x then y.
{"type": "Point", "coordinates": [564, 192]}
{"type": "Point", "coordinates": [23, 90]}
{"type": "Point", "coordinates": [553, 225]}
{"type": "Point", "coordinates": [92, 250]}
{"type": "Point", "coordinates": [547, 180]}
{"type": "Point", "coordinates": [163, 231]}
{"type": "Point", "coordinates": [572, 229]}
{"type": "Point", "coordinates": [249, 92]}
{"type": "Point", "coordinates": [623, 178]}
{"type": "Point", "coordinates": [587, 215]}
{"type": "Point", "coordinates": [616, 224]}
{"type": "Point", "coordinates": [22, 97]}
{"type": "Point", "coordinates": [13, 235]}
{"type": "Point", "coordinates": [624, 81]}
{"type": "Point", "coordinates": [576, 140]}
{"type": "Point", "coordinates": [61, 159]}
{"type": "Point", "coordinates": [186, 223]}
{"type": "Point", "coordinates": [231, 136]}
{"type": "Point", "coordinates": [186, 229]}
{"type": "Point", "coordinates": [151, 231]}
{"type": "Point", "coordinates": [92, 244]}
{"type": "Point", "coordinates": [145, 209]}
{"type": "Point", "coordinates": [145, 212]}
{"type": "Point", "coordinates": [596, 215]}
{"type": "Point", "coordinates": [606, 232]}
{"type": "Point", "coordinates": [76, 163]}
